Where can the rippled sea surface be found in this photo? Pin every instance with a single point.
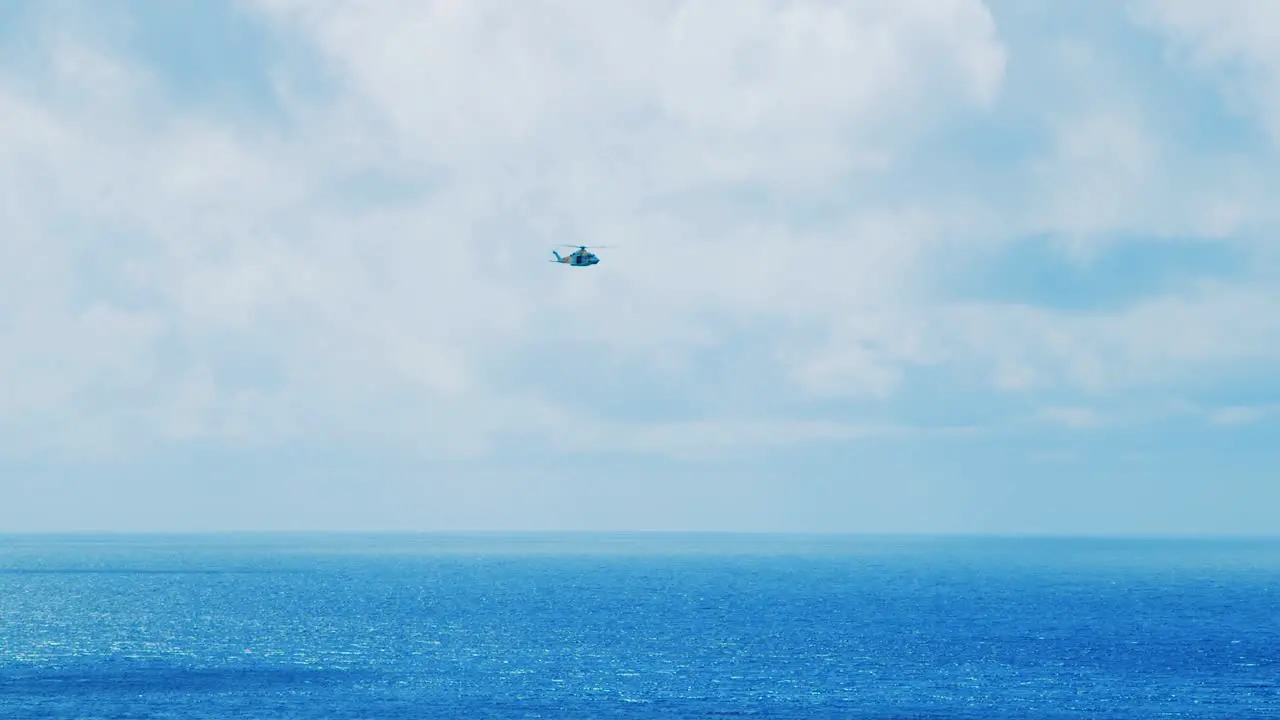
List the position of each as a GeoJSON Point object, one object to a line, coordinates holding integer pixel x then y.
{"type": "Point", "coordinates": [598, 626]}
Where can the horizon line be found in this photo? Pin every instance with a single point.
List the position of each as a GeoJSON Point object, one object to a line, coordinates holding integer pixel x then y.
{"type": "Point", "coordinates": [956, 534]}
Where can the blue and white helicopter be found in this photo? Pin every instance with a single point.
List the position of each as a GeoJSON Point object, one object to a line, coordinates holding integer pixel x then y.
{"type": "Point", "coordinates": [579, 257]}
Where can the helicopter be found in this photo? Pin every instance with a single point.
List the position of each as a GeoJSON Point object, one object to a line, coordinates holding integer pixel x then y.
{"type": "Point", "coordinates": [579, 257]}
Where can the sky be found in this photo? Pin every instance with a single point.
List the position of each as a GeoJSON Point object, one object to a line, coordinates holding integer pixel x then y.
{"type": "Point", "coordinates": [937, 266]}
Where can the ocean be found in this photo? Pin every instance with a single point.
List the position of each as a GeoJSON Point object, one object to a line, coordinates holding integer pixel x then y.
{"type": "Point", "coordinates": [637, 626]}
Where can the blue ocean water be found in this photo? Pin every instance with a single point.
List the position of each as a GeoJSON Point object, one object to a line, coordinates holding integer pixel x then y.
{"type": "Point", "coordinates": [636, 626]}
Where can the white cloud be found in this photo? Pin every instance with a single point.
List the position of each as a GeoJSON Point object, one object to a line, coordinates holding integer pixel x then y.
{"type": "Point", "coordinates": [1236, 40]}
{"type": "Point", "coordinates": [1101, 170]}
{"type": "Point", "coordinates": [1158, 342]}
{"type": "Point", "coordinates": [1244, 414]}
{"type": "Point", "coordinates": [1072, 417]}
{"type": "Point", "coordinates": [688, 92]}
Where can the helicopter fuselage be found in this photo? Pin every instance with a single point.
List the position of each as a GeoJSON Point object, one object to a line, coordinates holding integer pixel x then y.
{"type": "Point", "coordinates": [578, 259]}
